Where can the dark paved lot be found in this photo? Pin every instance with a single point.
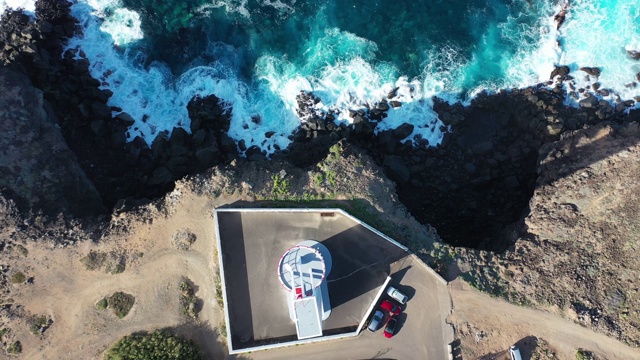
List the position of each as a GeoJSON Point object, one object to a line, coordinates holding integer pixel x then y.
{"type": "Point", "coordinates": [422, 332]}
{"type": "Point", "coordinates": [252, 243]}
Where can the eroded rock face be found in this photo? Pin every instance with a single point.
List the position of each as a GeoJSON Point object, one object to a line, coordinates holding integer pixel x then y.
{"type": "Point", "coordinates": [580, 250]}
{"type": "Point", "coordinates": [37, 169]}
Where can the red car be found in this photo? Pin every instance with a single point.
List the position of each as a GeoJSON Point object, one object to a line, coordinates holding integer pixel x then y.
{"type": "Point", "coordinates": [391, 307]}
{"type": "Point", "coordinates": [390, 328]}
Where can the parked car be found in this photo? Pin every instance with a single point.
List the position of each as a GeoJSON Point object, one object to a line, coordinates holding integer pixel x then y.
{"type": "Point", "coordinates": [391, 307]}
{"type": "Point", "coordinates": [375, 321]}
{"type": "Point", "coordinates": [397, 295]}
{"type": "Point", "coordinates": [391, 327]}
{"type": "Point", "coordinates": [515, 353]}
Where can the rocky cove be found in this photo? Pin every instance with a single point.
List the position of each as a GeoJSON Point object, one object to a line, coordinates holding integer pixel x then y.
{"type": "Point", "coordinates": [474, 188]}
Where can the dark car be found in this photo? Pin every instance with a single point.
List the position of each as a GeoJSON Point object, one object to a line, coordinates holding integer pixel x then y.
{"type": "Point", "coordinates": [391, 307]}
{"type": "Point", "coordinates": [375, 321]}
{"type": "Point", "coordinates": [391, 327]}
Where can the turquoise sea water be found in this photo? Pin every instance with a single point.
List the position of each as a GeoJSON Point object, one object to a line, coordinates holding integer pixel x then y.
{"type": "Point", "coordinates": [155, 55]}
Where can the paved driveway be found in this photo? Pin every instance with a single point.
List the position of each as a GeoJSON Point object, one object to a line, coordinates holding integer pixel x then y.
{"type": "Point", "coordinates": [422, 333]}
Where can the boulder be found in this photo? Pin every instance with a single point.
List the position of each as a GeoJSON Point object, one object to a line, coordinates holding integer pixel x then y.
{"type": "Point", "coordinates": [125, 119]}
{"type": "Point", "coordinates": [403, 131]}
{"type": "Point", "coordinates": [561, 71]}
{"type": "Point", "coordinates": [100, 110]}
{"type": "Point", "coordinates": [199, 137]}
{"type": "Point", "coordinates": [98, 127]}
{"type": "Point", "coordinates": [395, 104]}
{"type": "Point", "coordinates": [387, 141]}
{"type": "Point", "coordinates": [208, 157]}
{"type": "Point", "coordinates": [470, 168]}
{"type": "Point", "coordinates": [228, 146]}
{"type": "Point", "coordinates": [397, 170]}
{"type": "Point", "coordinates": [588, 102]}
{"type": "Point", "coordinates": [383, 105]}
{"type": "Point", "coordinates": [160, 176]}
{"type": "Point", "coordinates": [482, 148]}
{"type": "Point", "coordinates": [634, 54]}
{"type": "Point", "coordinates": [179, 136]}
{"type": "Point", "coordinates": [593, 71]}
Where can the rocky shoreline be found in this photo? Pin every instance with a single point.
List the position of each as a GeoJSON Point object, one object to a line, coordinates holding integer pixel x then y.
{"type": "Point", "coordinates": [482, 176]}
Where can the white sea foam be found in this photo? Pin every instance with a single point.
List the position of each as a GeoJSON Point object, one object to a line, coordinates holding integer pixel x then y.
{"type": "Point", "coordinates": [123, 25]}
{"type": "Point", "coordinates": [28, 5]}
{"type": "Point", "coordinates": [342, 70]}
{"type": "Point", "coordinates": [598, 34]}
{"type": "Point", "coordinates": [230, 6]}
{"type": "Point", "coordinates": [157, 102]}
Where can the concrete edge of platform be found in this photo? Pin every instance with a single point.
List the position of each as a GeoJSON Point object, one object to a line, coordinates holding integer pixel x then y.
{"type": "Point", "coordinates": [223, 283]}
{"type": "Point", "coordinates": [293, 343]}
{"type": "Point", "coordinates": [373, 304]}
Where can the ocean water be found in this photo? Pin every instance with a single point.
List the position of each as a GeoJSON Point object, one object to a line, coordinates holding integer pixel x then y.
{"type": "Point", "coordinates": [257, 55]}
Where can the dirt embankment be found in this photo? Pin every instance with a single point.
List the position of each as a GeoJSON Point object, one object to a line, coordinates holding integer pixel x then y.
{"type": "Point", "coordinates": [143, 251]}
{"type": "Point", "coordinates": [579, 257]}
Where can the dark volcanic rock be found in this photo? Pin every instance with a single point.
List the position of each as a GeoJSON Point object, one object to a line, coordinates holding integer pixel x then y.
{"type": "Point", "coordinates": [589, 102]}
{"type": "Point", "coordinates": [561, 71]}
{"type": "Point", "coordinates": [634, 54]}
{"type": "Point", "coordinates": [36, 165]}
{"type": "Point", "coordinates": [593, 71]}
{"type": "Point", "coordinates": [397, 170]}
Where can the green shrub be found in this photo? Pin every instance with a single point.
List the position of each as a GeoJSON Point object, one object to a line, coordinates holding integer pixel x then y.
{"type": "Point", "coordinates": [102, 304]}
{"type": "Point", "coordinates": [318, 178]}
{"type": "Point", "coordinates": [280, 187]}
{"type": "Point", "coordinates": [39, 324]}
{"type": "Point", "coordinates": [159, 344]}
{"type": "Point", "coordinates": [188, 300]}
{"type": "Point", "coordinates": [94, 260]}
{"type": "Point", "coordinates": [21, 250]}
{"type": "Point", "coordinates": [115, 267]}
{"type": "Point", "coordinates": [222, 329]}
{"type": "Point", "coordinates": [121, 303]}
{"type": "Point", "coordinates": [15, 348]}
{"type": "Point", "coordinates": [218, 285]}
{"type": "Point", "coordinates": [18, 278]}
{"type": "Point", "coordinates": [583, 354]}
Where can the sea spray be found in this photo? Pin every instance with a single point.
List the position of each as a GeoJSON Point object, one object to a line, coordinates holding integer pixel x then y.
{"type": "Point", "coordinates": [258, 55]}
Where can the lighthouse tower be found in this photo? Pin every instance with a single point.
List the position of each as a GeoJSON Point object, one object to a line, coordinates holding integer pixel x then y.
{"type": "Point", "coordinates": [302, 271]}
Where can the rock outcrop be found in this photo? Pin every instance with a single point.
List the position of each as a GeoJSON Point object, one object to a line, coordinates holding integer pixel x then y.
{"type": "Point", "coordinates": [37, 169]}
{"type": "Point", "coordinates": [577, 248]}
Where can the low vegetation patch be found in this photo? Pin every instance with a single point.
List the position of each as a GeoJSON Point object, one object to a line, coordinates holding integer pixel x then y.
{"type": "Point", "coordinates": [114, 263]}
{"type": "Point", "coordinates": [159, 344]}
{"type": "Point", "coordinates": [188, 299]}
{"type": "Point", "coordinates": [222, 329]}
{"type": "Point", "coordinates": [15, 348]}
{"type": "Point", "coordinates": [21, 250]}
{"type": "Point", "coordinates": [219, 299]}
{"type": "Point", "coordinates": [183, 239]}
{"type": "Point", "coordinates": [18, 278]}
{"type": "Point", "coordinates": [94, 260]}
{"type": "Point", "coordinates": [39, 324]}
{"type": "Point", "coordinates": [120, 303]}
{"type": "Point", "coordinates": [280, 187]}
{"type": "Point", "coordinates": [102, 304]}
{"type": "Point", "coordinates": [583, 354]}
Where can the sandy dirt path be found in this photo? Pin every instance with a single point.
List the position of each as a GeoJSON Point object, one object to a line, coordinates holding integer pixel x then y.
{"type": "Point", "coordinates": [504, 324]}
{"type": "Point", "coordinates": [67, 292]}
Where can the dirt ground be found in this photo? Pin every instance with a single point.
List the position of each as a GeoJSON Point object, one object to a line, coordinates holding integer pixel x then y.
{"type": "Point", "coordinates": [67, 292]}
{"type": "Point", "coordinates": [155, 262]}
{"type": "Point", "coordinates": [487, 327]}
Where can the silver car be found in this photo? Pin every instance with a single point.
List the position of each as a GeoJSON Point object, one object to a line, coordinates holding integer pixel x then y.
{"type": "Point", "coordinates": [397, 295]}
{"type": "Point", "coordinates": [375, 321]}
